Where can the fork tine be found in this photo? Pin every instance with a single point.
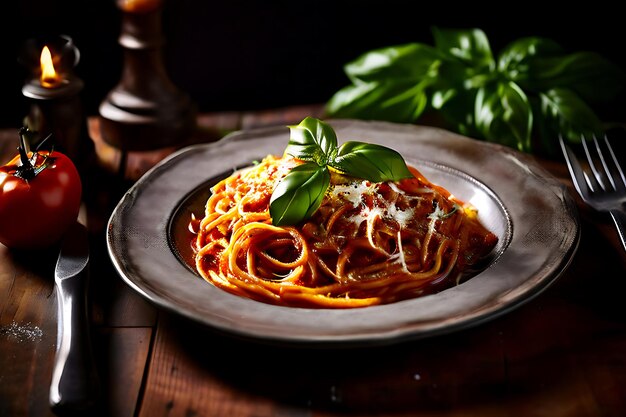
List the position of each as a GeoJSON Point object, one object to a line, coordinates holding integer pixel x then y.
{"type": "Point", "coordinates": [615, 161]}
{"type": "Point", "coordinates": [605, 166]}
{"type": "Point", "coordinates": [598, 183]}
{"type": "Point", "coordinates": [575, 170]}
{"type": "Point", "coordinates": [612, 201]}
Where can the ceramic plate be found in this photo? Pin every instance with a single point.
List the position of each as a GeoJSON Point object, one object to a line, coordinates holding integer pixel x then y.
{"type": "Point", "coordinates": [532, 214]}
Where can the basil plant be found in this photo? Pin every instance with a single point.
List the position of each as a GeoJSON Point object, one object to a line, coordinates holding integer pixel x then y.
{"type": "Point", "coordinates": [532, 89]}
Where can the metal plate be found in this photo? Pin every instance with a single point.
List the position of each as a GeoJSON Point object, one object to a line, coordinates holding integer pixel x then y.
{"type": "Point", "coordinates": [530, 211]}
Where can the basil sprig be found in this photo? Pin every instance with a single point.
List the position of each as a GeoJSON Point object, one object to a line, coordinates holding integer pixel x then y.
{"type": "Point", "coordinates": [299, 194]}
{"type": "Point", "coordinates": [532, 89]}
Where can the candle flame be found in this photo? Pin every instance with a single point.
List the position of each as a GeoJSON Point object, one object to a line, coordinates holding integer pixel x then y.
{"type": "Point", "coordinates": [139, 6]}
{"type": "Point", "coordinates": [49, 76]}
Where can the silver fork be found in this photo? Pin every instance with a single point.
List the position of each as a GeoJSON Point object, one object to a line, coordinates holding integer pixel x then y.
{"type": "Point", "coordinates": [599, 180]}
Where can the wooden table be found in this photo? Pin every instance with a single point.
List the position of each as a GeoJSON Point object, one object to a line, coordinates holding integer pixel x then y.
{"type": "Point", "coordinates": [562, 354]}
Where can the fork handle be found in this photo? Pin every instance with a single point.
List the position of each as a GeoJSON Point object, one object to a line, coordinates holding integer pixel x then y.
{"type": "Point", "coordinates": [619, 217]}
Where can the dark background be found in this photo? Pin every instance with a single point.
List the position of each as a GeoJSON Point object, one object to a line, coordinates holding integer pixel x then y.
{"type": "Point", "coordinates": [248, 55]}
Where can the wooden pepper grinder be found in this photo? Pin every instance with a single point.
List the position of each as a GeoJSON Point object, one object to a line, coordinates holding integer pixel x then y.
{"type": "Point", "coordinates": [145, 111]}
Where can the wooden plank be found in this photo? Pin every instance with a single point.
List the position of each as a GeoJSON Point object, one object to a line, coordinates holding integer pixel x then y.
{"type": "Point", "coordinates": [561, 348]}
{"type": "Point", "coordinates": [28, 325]}
{"type": "Point", "coordinates": [184, 376]}
{"type": "Point", "coordinates": [123, 355]}
{"type": "Point", "coordinates": [219, 123]}
{"type": "Point", "coordinates": [114, 303]}
{"type": "Point", "coordinates": [280, 117]}
{"type": "Point", "coordinates": [196, 372]}
{"type": "Point", "coordinates": [27, 331]}
{"type": "Point", "coordinates": [604, 365]}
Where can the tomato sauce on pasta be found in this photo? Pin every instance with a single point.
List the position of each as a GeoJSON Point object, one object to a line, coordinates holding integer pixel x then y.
{"type": "Point", "coordinates": [367, 244]}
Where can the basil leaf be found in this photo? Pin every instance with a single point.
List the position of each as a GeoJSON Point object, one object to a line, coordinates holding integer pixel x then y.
{"type": "Point", "coordinates": [299, 194]}
{"type": "Point", "coordinates": [457, 112]}
{"type": "Point", "coordinates": [403, 62]}
{"type": "Point", "coordinates": [470, 46]}
{"type": "Point", "coordinates": [353, 100]}
{"type": "Point", "coordinates": [539, 64]}
{"type": "Point", "coordinates": [312, 140]}
{"type": "Point", "coordinates": [588, 74]}
{"type": "Point", "coordinates": [517, 57]}
{"type": "Point", "coordinates": [503, 114]}
{"type": "Point", "coordinates": [568, 115]}
{"type": "Point", "coordinates": [449, 81]}
{"type": "Point", "coordinates": [392, 100]}
{"type": "Point", "coordinates": [371, 162]}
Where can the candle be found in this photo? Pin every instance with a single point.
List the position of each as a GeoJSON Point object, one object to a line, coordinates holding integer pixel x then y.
{"type": "Point", "coordinates": [53, 92]}
{"type": "Point", "coordinates": [50, 63]}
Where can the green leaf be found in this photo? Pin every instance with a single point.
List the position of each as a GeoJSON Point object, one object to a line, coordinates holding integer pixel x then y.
{"type": "Point", "coordinates": [403, 62]}
{"type": "Point", "coordinates": [312, 140]}
{"type": "Point", "coordinates": [371, 162]}
{"type": "Point", "coordinates": [449, 82]}
{"type": "Point", "coordinates": [470, 46]}
{"type": "Point", "coordinates": [591, 76]}
{"type": "Point", "coordinates": [458, 112]}
{"type": "Point", "coordinates": [516, 58]}
{"type": "Point", "coordinates": [539, 64]}
{"type": "Point", "coordinates": [568, 115]}
{"type": "Point", "coordinates": [503, 114]}
{"type": "Point", "coordinates": [388, 84]}
{"type": "Point", "coordinates": [392, 100]}
{"type": "Point", "coordinates": [352, 100]}
{"type": "Point", "coordinates": [299, 194]}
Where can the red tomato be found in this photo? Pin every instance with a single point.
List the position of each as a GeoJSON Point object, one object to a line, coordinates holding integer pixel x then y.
{"type": "Point", "coordinates": [36, 208]}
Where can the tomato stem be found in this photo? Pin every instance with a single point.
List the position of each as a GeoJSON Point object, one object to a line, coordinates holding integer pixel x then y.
{"type": "Point", "coordinates": [26, 170]}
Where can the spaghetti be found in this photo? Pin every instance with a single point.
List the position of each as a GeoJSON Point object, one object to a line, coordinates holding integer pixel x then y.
{"type": "Point", "coordinates": [367, 244]}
